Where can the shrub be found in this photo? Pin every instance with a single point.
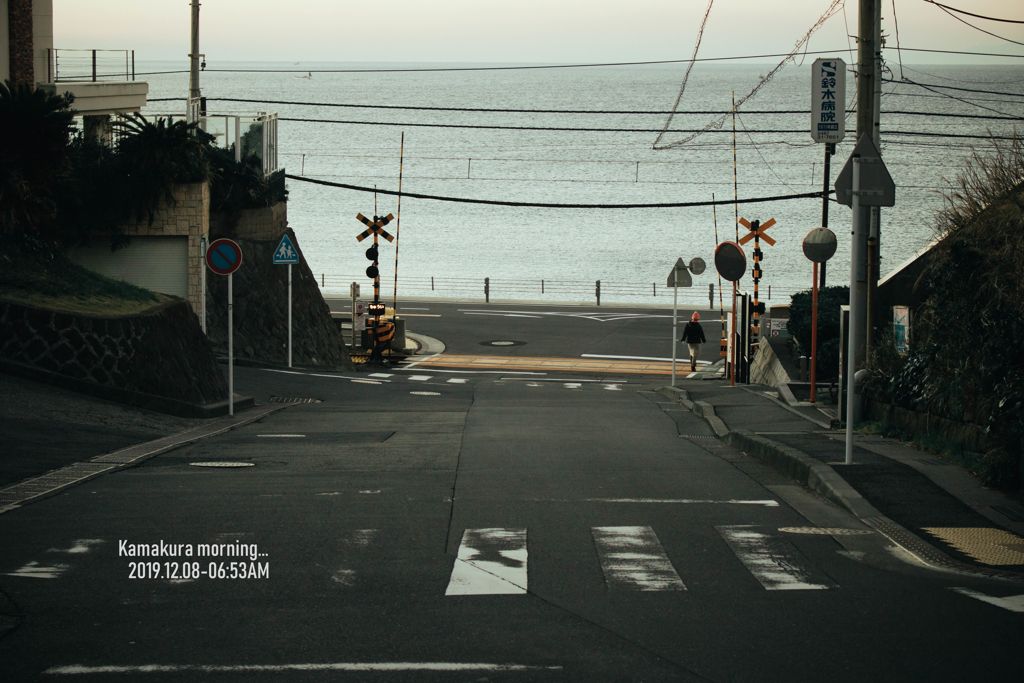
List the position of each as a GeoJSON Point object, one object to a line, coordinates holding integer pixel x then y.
{"type": "Point", "coordinates": [829, 301]}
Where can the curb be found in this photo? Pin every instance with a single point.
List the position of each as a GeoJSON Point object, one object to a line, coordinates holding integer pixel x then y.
{"type": "Point", "coordinates": [53, 482]}
{"type": "Point", "coordinates": [825, 481]}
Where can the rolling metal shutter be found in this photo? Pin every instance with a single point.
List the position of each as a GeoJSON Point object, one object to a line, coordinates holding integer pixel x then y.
{"type": "Point", "coordinates": [159, 264]}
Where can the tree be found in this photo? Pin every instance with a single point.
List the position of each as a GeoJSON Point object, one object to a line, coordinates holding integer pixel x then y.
{"type": "Point", "coordinates": [35, 159]}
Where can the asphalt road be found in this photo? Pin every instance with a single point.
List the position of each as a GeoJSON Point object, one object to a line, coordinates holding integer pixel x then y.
{"type": "Point", "coordinates": [476, 527]}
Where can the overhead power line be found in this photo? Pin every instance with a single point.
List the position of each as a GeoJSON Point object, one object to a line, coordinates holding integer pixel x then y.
{"type": "Point", "coordinates": [976, 28]}
{"type": "Point", "coordinates": [542, 205]}
{"type": "Point", "coordinates": [971, 14]}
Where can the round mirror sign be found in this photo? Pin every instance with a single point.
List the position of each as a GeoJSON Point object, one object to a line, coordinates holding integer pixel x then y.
{"type": "Point", "coordinates": [820, 245]}
{"type": "Point", "coordinates": [730, 261]}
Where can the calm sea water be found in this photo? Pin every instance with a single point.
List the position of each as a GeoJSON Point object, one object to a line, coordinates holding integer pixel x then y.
{"type": "Point", "coordinates": [627, 249]}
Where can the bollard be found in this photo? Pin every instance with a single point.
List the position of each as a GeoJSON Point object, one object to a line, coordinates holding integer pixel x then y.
{"type": "Point", "coordinates": [487, 289]}
{"type": "Point", "coordinates": [803, 368]}
{"type": "Point", "coordinates": [711, 297]}
{"type": "Point", "coordinates": [598, 292]}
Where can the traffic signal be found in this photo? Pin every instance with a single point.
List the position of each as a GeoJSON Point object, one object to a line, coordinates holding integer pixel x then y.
{"type": "Point", "coordinates": [372, 272]}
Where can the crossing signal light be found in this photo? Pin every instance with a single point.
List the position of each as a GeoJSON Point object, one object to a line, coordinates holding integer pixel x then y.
{"type": "Point", "coordinates": [372, 272]}
{"type": "Point", "coordinates": [372, 253]}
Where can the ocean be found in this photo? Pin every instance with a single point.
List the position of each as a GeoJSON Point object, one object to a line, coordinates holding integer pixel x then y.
{"type": "Point", "coordinates": [631, 251]}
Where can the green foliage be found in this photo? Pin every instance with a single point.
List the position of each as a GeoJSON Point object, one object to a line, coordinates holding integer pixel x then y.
{"type": "Point", "coordinates": [966, 359]}
{"type": "Point", "coordinates": [829, 301]}
{"type": "Point", "coordinates": [159, 155]}
{"type": "Point", "coordinates": [34, 157]}
{"type": "Point", "coordinates": [239, 185]}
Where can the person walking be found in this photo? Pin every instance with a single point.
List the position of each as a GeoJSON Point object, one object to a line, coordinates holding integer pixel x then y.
{"type": "Point", "coordinates": [693, 335]}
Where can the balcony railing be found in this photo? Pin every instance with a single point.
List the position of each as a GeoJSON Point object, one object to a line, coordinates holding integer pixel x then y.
{"type": "Point", "coordinates": [90, 65]}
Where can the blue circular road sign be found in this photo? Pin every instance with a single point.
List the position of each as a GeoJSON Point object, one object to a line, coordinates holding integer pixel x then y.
{"type": "Point", "coordinates": [224, 256]}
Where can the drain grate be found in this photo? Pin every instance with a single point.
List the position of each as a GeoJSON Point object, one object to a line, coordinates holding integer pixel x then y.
{"type": "Point", "coordinates": [222, 464]}
{"type": "Point", "coordinates": [281, 399]}
{"type": "Point", "coordinates": [824, 531]}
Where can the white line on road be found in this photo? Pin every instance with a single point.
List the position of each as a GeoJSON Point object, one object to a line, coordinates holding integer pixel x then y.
{"type": "Point", "coordinates": [281, 436]}
{"type": "Point", "coordinates": [82, 545]}
{"type": "Point", "coordinates": [490, 562]}
{"type": "Point", "coordinates": [546, 379]}
{"type": "Point", "coordinates": [504, 315]}
{"type": "Point", "coordinates": [74, 669]}
{"type": "Point", "coordinates": [419, 378]}
{"type": "Point", "coordinates": [771, 559]}
{"type": "Point", "coordinates": [632, 558]}
{"type": "Point", "coordinates": [1014, 603]}
{"type": "Point", "coordinates": [380, 374]}
{"type": "Point", "coordinates": [572, 385]}
{"type": "Point", "coordinates": [34, 570]}
{"type": "Point", "coordinates": [612, 387]}
{"type": "Point", "coordinates": [455, 380]}
{"type": "Point", "coordinates": [479, 372]}
{"type": "Point", "coordinates": [682, 501]}
{"type": "Point", "coordinates": [667, 360]}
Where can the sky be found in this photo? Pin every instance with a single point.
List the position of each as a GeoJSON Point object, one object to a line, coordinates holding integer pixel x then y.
{"type": "Point", "coordinates": [528, 31]}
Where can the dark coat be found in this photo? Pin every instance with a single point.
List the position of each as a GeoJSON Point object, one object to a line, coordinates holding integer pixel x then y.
{"type": "Point", "coordinates": [693, 333]}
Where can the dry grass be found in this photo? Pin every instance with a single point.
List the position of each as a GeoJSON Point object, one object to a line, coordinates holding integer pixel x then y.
{"type": "Point", "coordinates": [95, 306]}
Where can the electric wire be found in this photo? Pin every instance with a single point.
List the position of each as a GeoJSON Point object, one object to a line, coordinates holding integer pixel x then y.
{"type": "Point", "coordinates": [977, 28]}
{"type": "Point", "coordinates": [545, 205]}
{"type": "Point", "coordinates": [970, 14]}
{"type": "Point", "coordinates": [686, 76]}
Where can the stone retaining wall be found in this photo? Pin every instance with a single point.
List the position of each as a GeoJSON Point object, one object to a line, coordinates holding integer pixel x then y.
{"type": "Point", "coordinates": [971, 437]}
{"type": "Point", "coordinates": [261, 310]}
{"type": "Point", "coordinates": [162, 352]}
{"type": "Point", "coordinates": [268, 223]}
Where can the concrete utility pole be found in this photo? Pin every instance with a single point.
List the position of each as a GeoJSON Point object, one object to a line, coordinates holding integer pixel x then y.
{"type": "Point", "coordinates": [866, 50]}
{"type": "Point", "coordinates": [874, 232]}
{"type": "Point", "coordinates": [193, 79]}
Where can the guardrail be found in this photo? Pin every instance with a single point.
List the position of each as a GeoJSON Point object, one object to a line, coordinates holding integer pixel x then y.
{"type": "Point", "coordinates": [555, 290]}
{"type": "Point", "coordinates": [90, 65]}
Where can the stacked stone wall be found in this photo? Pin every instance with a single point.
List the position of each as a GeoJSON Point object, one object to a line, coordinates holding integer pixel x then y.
{"type": "Point", "coordinates": [268, 223]}
{"type": "Point", "coordinates": [162, 352]}
{"type": "Point", "coordinates": [261, 310]}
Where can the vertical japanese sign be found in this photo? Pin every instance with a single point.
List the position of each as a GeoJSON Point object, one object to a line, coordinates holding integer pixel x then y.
{"type": "Point", "coordinates": [828, 100]}
{"type": "Point", "coordinates": [901, 328]}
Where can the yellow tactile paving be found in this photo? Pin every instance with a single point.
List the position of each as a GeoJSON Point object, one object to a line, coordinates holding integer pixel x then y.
{"type": "Point", "coordinates": [988, 546]}
{"type": "Point", "coordinates": [566, 364]}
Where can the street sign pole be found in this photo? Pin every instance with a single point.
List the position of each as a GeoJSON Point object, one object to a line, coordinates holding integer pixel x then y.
{"type": "Point", "coordinates": [675, 338]}
{"type": "Point", "coordinates": [231, 347]}
{"type": "Point", "coordinates": [814, 332]}
{"type": "Point", "coordinates": [289, 315]}
{"type": "Point", "coordinates": [855, 312]}
{"type": "Point", "coordinates": [202, 294]}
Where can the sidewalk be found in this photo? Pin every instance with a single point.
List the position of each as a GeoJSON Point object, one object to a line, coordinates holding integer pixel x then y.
{"type": "Point", "coordinates": [930, 507]}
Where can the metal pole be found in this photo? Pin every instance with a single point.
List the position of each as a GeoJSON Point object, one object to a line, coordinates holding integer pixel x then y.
{"type": "Point", "coordinates": [675, 311]}
{"type": "Point", "coordinates": [231, 347]}
{"type": "Point", "coordinates": [193, 79]}
{"type": "Point", "coordinates": [202, 249]}
{"type": "Point", "coordinates": [289, 315]}
{"type": "Point", "coordinates": [352, 292]}
{"type": "Point", "coordinates": [238, 138]}
{"type": "Point", "coordinates": [830, 149]}
{"type": "Point", "coordinates": [855, 310]}
{"type": "Point", "coordinates": [814, 331]}
{"type": "Point", "coordinates": [732, 339]}
{"type": "Point", "coordinates": [398, 222]}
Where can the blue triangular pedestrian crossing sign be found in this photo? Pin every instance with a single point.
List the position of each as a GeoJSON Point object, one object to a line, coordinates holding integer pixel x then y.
{"type": "Point", "coordinates": [285, 253]}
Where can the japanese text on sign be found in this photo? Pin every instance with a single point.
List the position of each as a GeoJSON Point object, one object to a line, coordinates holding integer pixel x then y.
{"type": "Point", "coordinates": [828, 100]}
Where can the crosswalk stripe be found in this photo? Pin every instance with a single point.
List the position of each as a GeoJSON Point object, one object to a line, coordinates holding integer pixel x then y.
{"type": "Point", "coordinates": [456, 381]}
{"type": "Point", "coordinates": [632, 558]}
{"type": "Point", "coordinates": [380, 374]}
{"type": "Point", "coordinates": [490, 562]}
{"type": "Point", "coordinates": [419, 378]}
{"type": "Point", "coordinates": [771, 559]}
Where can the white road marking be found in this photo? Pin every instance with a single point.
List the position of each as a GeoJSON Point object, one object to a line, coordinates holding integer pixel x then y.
{"type": "Point", "coordinates": [677, 501]}
{"type": "Point", "coordinates": [546, 379]}
{"type": "Point", "coordinates": [35, 570]}
{"type": "Point", "coordinates": [82, 545]}
{"type": "Point", "coordinates": [632, 558]}
{"type": "Point", "coordinates": [667, 360]}
{"type": "Point", "coordinates": [381, 374]}
{"type": "Point", "coordinates": [599, 317]}
{"type": "Point", "coordinates": [771, 559]}
{"type": "Point", "coordinates": [504, 315]}
{"type": "Point", "coordinates": [76, 669]}
{"type": "Point", "coordinates": [1014, 603]}
{"type": "Point", "coordinates": [419, 378]}
{"type": "Point", "coordinates": [490, 562]}
{"type": "Point", "coordinates": [572, 385]}
{"type": "Point", "coordinates": [281, 436]}
{"type": "Point", "coordinates": [455, 380]}
{"type": "Point", "coordinates": [612, 387]}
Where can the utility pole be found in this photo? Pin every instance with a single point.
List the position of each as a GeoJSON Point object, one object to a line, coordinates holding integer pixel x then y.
{"type": "Point", "coordinates": [193, 79]}
{"type": "Point", "coordinates": [866, 50]}
{"type": "Point", "coordinates": [874, 231]}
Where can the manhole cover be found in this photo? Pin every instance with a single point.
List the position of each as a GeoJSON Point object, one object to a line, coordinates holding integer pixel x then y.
{"type": "Point", "coordinates": [824, 531]}
{"type": "Point", "coordinates": [425, 393]}
{"type": "Point", "coordinates": [222, 464]}
{"type": "Point", "coordinates": [502, 342]}
{"type": "Point", "coordinates": [280, 399]}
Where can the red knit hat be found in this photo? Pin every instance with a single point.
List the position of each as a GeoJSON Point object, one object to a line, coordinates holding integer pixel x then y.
{"type": "Point", "coordinates": [695, 317]}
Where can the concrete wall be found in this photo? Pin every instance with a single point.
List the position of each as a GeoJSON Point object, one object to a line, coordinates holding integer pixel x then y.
{"type": "Point", "coordinates": [5, 44]}
{"type": "Point", "coordinates": [19, 31]}
{"type": "Point", "coordinates": [42, 37]}
{"type": "Point", "coordinates": [767, 368]}
{"type": "Point", "coordinates": [188, 216]}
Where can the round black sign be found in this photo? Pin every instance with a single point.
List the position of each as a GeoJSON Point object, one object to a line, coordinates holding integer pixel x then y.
{"type": "Point", "coordinates": [730, 261]}
{"type": "Point", "coordinates": [820, 245]}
